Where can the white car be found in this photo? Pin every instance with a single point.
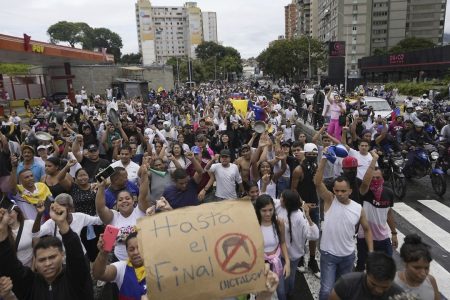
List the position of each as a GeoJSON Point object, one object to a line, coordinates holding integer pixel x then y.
{"type": "Point", "coordinates": [309, 93]}
{"type": "Point", "coordinates": [380, 106]}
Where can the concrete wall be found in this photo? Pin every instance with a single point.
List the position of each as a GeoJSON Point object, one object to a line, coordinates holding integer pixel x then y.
{"type": "Point", "coordinates": [96, 78]}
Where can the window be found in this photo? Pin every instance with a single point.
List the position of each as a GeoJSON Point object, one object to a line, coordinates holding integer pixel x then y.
{"type": "Point", "coordinates": [354, 28]}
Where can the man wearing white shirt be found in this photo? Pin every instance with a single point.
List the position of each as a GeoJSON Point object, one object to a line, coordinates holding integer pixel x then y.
{"type": "Point", "coordinates": [290, 113]}
{"type": "Point", "coordinates": [125, 162]}
{"type": "Point", "coordinates": [363, 156]}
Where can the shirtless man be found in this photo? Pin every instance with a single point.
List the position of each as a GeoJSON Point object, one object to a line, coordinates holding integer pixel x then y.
{"type": "Point", "coordinates": [244, 162]}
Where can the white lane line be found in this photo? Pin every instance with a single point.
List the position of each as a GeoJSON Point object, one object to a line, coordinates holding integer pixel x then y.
{"type": "Point", "coordinates": [442, 275]}
{"type": "Point", "coordinates": [432, 230]}
{"type": "Point", "coordinates": [437, 207]}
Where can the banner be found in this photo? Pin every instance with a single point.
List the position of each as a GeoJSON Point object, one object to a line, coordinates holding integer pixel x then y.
{"type": "Point", "coordinates": [240, 106]}
{"type": "Point", "coordinates": [211, 251]}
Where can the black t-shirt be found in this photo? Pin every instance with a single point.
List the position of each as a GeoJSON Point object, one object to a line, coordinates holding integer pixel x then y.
{"type": "Point", "coordinates": [93, 168]}
{"type": "Point", "coordinates": [386, 199]}
{"type": "Point", "coordinates": [353, 286]}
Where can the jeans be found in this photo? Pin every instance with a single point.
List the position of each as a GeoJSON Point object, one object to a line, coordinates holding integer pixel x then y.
{"type": "Point", "coordinates": [331, 268]}
{"type": "Point", "coordinates": [383, 246]}
{"type": "Point", "coordinates": [290, 281]}
{"type": "Point", "coordinates": [282, 184]}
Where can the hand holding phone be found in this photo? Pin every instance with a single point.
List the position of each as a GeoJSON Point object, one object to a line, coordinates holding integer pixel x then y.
{"type": "Point", "coordinates": [104, 174]}
{"type": "Point", "coordinates": [109, 237]}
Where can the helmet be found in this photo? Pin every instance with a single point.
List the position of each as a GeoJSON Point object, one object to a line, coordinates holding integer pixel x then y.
{"type": "Point", "coordinates": [349, 162]}
{"type": "Point", "coordinates": [310, 147]}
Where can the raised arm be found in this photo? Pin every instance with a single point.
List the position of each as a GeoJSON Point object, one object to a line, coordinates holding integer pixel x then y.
{"type": "Point", "coordinates": [197, 167]}
{"type": "Point", "coordinates": [365, 184]}
{"type": "Point", "coordinates": [143, 203]}
{"type": "Point", "coordinates": [105, 214]}
{"type": "Point", "coordinates": [100, 269]}
{"type": "Point", "coordinates": [13, 177]}
{"type": "Point", "coordinates": [321, 189]}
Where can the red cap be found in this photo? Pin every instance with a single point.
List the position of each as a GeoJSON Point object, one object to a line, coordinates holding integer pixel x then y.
{"type": "Point", "coordinates": [349, 162]}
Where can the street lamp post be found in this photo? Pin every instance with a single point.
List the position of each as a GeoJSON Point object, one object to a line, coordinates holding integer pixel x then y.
{"type": "Point", "coordinates": [309, 58]}
{"type": "Point", "coordinates": [178, 74]}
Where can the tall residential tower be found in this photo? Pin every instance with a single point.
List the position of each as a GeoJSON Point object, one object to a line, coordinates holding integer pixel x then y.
{"type": "Point", "coordinates": [165, 32]}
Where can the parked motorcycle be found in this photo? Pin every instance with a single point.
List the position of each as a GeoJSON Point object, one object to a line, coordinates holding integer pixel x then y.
{"type": "Point", "coordinates": [392, 166]}
{"type": "Point", "coordinates": [425, 158]}
{"type": "Point", "coordinates": [443, 161]}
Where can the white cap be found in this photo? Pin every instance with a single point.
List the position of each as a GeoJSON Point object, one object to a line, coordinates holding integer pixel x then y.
{"type": "Point", "coordinates": [310, 147]}
{"type": "Point", "coordinates": [42, 147]}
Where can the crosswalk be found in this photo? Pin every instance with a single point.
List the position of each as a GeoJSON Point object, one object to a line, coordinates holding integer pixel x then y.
{"type": "Point", "coordinates": [430, 219]}
{"type": "Point", "coordinates": [431, 226]}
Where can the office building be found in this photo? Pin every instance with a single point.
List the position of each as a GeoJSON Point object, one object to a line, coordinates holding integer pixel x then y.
{"type": "Point", "coordinates": [171, 31]}
{"type": "Point", "coordinates": [290, 20]}
{"type": "Point", "coordinates": [378, 24]}
{"type": "Point", "coordinates": [210, 27]}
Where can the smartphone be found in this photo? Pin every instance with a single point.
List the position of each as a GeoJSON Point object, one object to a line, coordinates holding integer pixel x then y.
{"type": "Point", "coordinates": [104, 174]}
{"type": "Point", "coordinates": [109, 237]}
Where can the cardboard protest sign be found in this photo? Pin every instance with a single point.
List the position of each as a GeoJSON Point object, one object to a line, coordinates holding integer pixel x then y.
{"type": "Point", "coordinates": [210, 251]}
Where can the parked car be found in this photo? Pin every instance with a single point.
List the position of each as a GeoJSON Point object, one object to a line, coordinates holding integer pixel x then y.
{"type": "Point", "coordinates": [380, 106]}
{"type": "Point", "coordinates": [57, 97]}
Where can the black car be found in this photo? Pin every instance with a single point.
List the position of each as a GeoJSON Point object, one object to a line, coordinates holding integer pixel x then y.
{"type": "Point", "coordinates": [57, 97]}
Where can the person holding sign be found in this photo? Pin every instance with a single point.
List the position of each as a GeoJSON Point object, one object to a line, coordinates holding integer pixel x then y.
{"type": "Point", "coordinates": [274, 241]}
{"type": "Point", "coordinates": [126, 215]}
{"type": "Point", "coordinates": [128, 275]}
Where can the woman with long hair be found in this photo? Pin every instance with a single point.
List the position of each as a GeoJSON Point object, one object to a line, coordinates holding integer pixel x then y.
{"type": "Point", "coordinates": [56, 178]}
{"type": "Point", "coordinates": [264, 175]}
{"type": "Point", "coordinates": [177, 152]}
{"type": "Point", "coordinates": [298, 229]}
{"type": "Point", "coordinates": [20, 234]}
{"type": "Point", "coordinates": [275, 250]}
{"type": "Point", "coordinates": [415, 278]}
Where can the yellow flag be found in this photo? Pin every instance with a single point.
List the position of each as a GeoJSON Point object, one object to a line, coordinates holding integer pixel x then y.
{"type": "Point", "coordinates": [240, 106]}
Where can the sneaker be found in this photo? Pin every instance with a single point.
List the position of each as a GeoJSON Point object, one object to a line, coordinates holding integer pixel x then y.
{"type": "Point", "coordinates": [301, 265]}
{"type": "Point", "coordinates": [312, 265]}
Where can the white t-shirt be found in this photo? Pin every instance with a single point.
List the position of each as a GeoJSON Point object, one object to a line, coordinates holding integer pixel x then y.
{"type": "Point", "coordinates": [79, 220]}
{"type": "Point", "coordinates": [126, 226]}
{"type": "Point", "coordinates": [132, 170]}
{"type": "Point", "coordinates": [25, 249]}
{"type": "Point", "coordinates": [290, 114]}
{"type": "Point", "coordinates": [363, 162]}
{"type": "Point", "coordinates": [301, 230]}
{"type": "Point", "coordinates": [121, 267]}
{"type": "Point", "coordinates": [226, 179]}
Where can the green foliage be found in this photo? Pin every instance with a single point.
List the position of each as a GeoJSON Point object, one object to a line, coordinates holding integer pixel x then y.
{"type": "Point", "coordinates": [288, 59]}
{"type": "Point", "coordinates": [131, 59]}
{"type": "Point", "coordinates": [417, 89]}
{"type": "Point", "coordinates": [411, 44]}
{"type": "Point", "coordinates": [14, 69]}
{"type": "Point", "coordinates": [88, 37]}
{"type": "Point", "coordinates": [380, 51]}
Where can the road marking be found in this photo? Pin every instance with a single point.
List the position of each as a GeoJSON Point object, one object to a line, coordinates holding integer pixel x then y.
{"type": "Point", "coordinates": [430, 229]}
{"type": "Point", "coordinates": [442, 275]}
{"type": "Point", "coordinates": [437, 207]}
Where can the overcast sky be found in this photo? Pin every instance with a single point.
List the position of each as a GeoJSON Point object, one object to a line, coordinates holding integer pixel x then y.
{"type": "Point", "coordinates": [247, 25]}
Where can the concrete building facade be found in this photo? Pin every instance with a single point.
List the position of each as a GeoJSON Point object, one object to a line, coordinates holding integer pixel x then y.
{"type": "Point", "coordinates": [378, 24]}
{"type": "Point", "coordinates": [164, 32]}
{"type": "Point", "coordinates": [210, 27]}
{"type": "Point", "coordinates": [290, 20]}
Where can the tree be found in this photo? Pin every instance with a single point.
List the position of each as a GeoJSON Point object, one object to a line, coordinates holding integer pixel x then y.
{"type": "Point", "coordinates": [105, 38]}
{"type": "Point", "coordinates": [88, 37]}
{"type": "Point", "coordinates": [131, 59]}
{"type": "Point", "coordinates": [64, 31]}
{"type": "Point", "coordinates": [411, 44]}
{"type": "Point", "coordinates": [288, 59]}
{"type": "Point", "coordinates": [14, 69]}
{"type": "Point", "coordinates": [380, 51]}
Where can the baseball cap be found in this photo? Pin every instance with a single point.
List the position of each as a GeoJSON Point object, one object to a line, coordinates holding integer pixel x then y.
{"type": "Point", "coordinates": [42, 147]}
{"type": "Point", "coordinates": [27, 147]}
{"type": "Point", "coordinates": [349, 162]}
{"type": "Point", "coordinates": [92, 148]}
{"type": "Point", "coordinates": [418, 123]}
{"type": "Point", "coordinates": [310, 147]}
{"type": "Point", "coordinates": [225, 152]}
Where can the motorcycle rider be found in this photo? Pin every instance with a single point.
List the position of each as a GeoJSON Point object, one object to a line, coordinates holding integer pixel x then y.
{"type": "Point", "coordinates": [420, 136]}
{"type": "Point", "coordinates": [410, 114]}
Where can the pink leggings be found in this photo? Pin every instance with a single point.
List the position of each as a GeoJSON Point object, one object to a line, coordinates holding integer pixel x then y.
{"type": "Point", "coordinates": [334, 129]}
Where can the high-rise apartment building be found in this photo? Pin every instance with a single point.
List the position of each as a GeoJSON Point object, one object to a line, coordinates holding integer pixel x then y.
{"type": "Point", "coordinates": [210, 27]}
{"type": "Point", "coordinates": [367, 25]}
{"type": "Point", "coordinates": [165, 32]}
{"type": "Point", "coordinates": [290, 20]}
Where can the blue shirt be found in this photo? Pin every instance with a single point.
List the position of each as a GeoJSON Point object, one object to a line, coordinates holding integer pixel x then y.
{"type": "Point", "coordinates": [37, 169]}
{"type": "Point", "coordinates": [177, 198]}
{"type": "Point", "coordinates": [111, 195]}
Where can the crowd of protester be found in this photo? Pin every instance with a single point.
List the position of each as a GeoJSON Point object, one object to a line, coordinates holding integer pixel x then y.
{"type": "Point", "coordinates": [312, 198]}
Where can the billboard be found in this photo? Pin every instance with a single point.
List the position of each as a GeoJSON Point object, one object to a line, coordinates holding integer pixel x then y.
{"type": "Point", "coordinates": [337, 49]}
